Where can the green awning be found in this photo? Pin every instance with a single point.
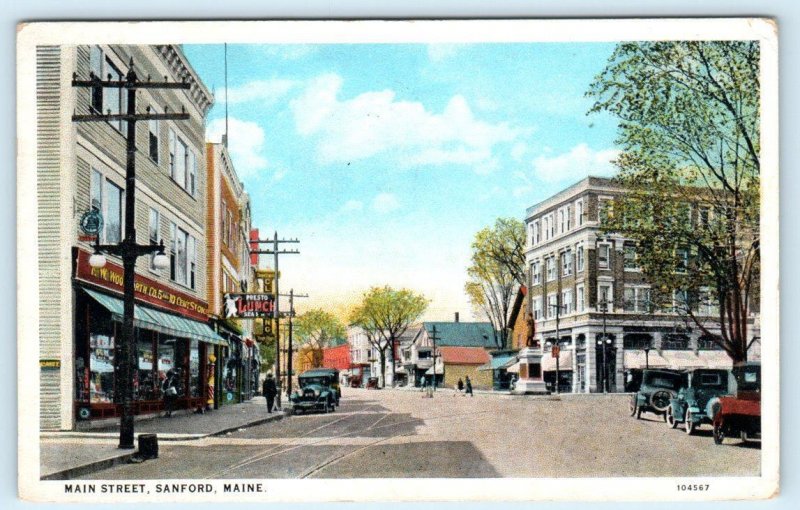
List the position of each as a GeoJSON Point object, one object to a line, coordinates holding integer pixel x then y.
{"type": "Point", "coordinates": [150, 318]}
{"type": "Point", "coordinates": [498, 362]}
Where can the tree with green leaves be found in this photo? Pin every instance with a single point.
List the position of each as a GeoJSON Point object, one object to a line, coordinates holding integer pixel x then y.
{"type": "Point", "coordinates": [496, 272]}
{"type": "Point", "coordinates": [689, 119]}
{"type": "Point", "coordinates": [317, 329]}
{"type": "Point", "coordinates": [384, 314]}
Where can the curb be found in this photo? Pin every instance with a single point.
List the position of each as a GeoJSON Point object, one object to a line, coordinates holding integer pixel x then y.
{"type": "Point", "coordinates": [99, 465]}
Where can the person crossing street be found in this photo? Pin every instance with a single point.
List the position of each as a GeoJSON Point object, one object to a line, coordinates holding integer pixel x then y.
{"type": "Point", "coordinates": [270, 390]}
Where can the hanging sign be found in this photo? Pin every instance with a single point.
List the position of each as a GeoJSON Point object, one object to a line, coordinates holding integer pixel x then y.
{"type": "Point", "coordinates": [247, 306]}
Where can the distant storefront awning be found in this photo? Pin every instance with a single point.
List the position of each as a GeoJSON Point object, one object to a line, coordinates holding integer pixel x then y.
{"type": "Point", "coordinates": [512, 367]}
{"type": "Point", "coordinates": [499, 362]}
{"type": "Point", "coordinates": [716, 359]}
{"type": "Point", "coordinates": [564, 361]}
{"type": "Point", "coordinates": [149, 318]}
{"type": "Point", "coordinates": [680, 360]}
{"type": "Point", "coordinates": [635, 359]}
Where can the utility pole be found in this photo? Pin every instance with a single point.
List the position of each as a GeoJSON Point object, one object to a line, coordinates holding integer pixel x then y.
{"type": "Point", "coordinates": [433, 338]}
{"type": "Point", "coordinates": [128, 250]}
{"type": "Point", "coordinates": [275, 251]}
{"type": "Point", "coordinates": [291, 295]}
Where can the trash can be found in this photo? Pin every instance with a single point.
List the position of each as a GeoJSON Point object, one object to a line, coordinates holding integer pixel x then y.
{"type": "Point", "coordinates": [148, 446]}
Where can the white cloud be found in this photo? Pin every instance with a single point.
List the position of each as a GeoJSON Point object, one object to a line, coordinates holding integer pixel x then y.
{"type": "Point", "coordinates": [266, 92]}
{"type": "Point", "coordinates": [576, 164]}
{"type": "Point", "coordinates": [384, 203]}
{"type": "Point", "coordinates": [353, 205]}
{"type": "Point", "coordinates": [376, 122]}
{"type": "Point", "coordinates": [439, 52]}
{"type": "Point", "coordinates": [245, 142]}
{"type": "Point", "coordinates": [518, 151]}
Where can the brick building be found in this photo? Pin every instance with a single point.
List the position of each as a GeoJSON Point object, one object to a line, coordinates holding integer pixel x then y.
{"type": "Point", "coordinates": [583, 284]}
{"type": "Point", "coordinates": [81, 169]}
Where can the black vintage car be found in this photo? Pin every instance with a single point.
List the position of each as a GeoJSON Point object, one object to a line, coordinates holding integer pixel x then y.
{"type": "Point", "coordinates": [657, 389]}
{"type": "Point", "coordinates": [319, 391]}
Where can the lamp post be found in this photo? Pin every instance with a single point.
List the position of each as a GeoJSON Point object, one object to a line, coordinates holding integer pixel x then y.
{"type": "Point", "coordinates": [647, 357]}
{"type": "Point", "coordinates": [604, 343]}
{"type": "Point", "coordinates": [128, 250]}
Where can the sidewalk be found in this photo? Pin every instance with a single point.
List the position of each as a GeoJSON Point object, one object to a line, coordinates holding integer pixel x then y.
{"type": "Point", "coordinates": [65, 455]}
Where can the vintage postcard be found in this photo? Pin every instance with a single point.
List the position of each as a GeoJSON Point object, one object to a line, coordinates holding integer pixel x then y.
{"type": "Point", "coordinates": [472, 260]}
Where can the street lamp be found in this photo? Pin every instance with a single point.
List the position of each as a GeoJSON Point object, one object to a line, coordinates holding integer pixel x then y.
{"type": "Point", "coordinates": [647, 357]}
{"type": "Point", "coordinates": [604, 345]}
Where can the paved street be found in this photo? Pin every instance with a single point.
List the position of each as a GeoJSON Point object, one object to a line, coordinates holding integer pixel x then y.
{"type": "Point", "coordinates": [394, 433]}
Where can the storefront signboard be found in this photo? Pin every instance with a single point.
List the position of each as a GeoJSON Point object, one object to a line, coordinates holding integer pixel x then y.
{"type": "Point", "coordinates": [50, 363]}
{"type": "Point", "coordinates": [247, 306]}
{"type": "Point", "coordinates": [147, 290]}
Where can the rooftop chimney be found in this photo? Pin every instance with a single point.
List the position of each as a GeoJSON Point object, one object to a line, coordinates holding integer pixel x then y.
{"type": "Point", "coordinates": [456, 318]}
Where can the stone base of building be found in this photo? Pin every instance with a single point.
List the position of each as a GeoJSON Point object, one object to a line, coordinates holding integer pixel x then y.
{"type": "Point", "coordinates": [530, 387]}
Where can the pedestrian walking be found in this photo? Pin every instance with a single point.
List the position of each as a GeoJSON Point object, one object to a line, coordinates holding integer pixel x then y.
{"type": "Point", "coordinates": [270, 390]}
{"type": "Point", "coordinates": [460, 385]}
{"type": "Point", "coordinates": [169, 391]}
{"type": "Point", "coordinates": [469, 387]}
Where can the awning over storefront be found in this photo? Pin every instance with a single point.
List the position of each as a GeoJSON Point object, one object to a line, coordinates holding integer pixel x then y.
{"type": "Point", "coordinates": [499, 362]}
{"type": "Point", "coordinates": [512, 367]}
{"type": "Point", "coordinates": [635, 359]}
{"type": "Point", "coordinates": [564, 361]}
{"type": "Point", "coordinates": [149, 318]}
{"type": "Point", "coordinates": [716, 359]}
{"type": "Point", "coordinates": [680, 360]}
{"type": "Point", "coordinates": [439, 370]}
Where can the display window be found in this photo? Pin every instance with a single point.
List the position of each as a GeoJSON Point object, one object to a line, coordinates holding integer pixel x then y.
{"type": "Point", "coordinates": [195, 384]}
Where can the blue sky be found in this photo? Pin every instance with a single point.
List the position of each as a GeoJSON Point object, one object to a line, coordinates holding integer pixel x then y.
{"type": "Point", "coordinates": [385, 159]}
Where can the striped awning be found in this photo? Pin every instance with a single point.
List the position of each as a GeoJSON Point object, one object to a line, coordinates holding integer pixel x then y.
{"type": "Point", "coordinates": [149, 318]}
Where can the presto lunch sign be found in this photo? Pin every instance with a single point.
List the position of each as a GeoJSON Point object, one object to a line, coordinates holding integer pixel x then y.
{"type": "Point", "coordinates": [247, 306]}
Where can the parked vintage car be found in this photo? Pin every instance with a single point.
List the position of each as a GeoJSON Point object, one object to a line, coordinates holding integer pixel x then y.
{"type": "Point", "coordinates": [319, 391]}
{"type": "Point", "coordinates": [696, 403]}
{"type": "Point", "coordinates": [740, 414]}
{"type": "Point", "coordinates": [657, 389]}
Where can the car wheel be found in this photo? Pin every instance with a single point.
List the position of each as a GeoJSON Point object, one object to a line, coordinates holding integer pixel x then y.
{"type": "Point", "coordinates": [671, 421]}
{"type": "Point", "coordinates": [659, 400]}
{"type": "Point", "coordinates": [689, 423]}
{"type": "Point", "coordinates": [719, 434]}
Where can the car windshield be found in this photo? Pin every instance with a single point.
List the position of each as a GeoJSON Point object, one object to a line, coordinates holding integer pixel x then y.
{"type": "Point", "coordinates": [662, 380]}
{"type": "Point", "coordinates": [305, 381]}
{"type": "Point", "coordinates": [712, 379]}
{"type": "Point", "coordinates": [748, 378]}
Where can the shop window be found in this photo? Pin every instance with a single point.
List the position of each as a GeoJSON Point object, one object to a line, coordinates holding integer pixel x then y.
{"type": "Point", "coordinates": [195, 382]}
{"type": "Point", "coordinates": [101, 363]}
{"type": "Point", "coordinates": [146, 382]}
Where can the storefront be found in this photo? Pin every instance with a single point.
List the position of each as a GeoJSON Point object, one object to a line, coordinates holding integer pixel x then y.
{"type": "Point", "coordinates": [165, 339]}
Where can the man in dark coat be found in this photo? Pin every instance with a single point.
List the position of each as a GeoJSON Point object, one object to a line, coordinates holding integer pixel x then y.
{"type": "Point", "coordinates": [469, 387]}
{"type": "Point", "coordinates": [270, 390]}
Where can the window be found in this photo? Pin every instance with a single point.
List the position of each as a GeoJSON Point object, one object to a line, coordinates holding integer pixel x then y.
{"type": "Point", "coordinates": [707, 343]}
{"type": "Point", "coordinates": [537, 232]}
{"type": "Point", "coordinates": [637, 299]}
{"type": "Point", "coordinates": [605, 297]}
{"type": "Point", "coordinates": [224, 224]}
{"type": "Point", "coordinates": [172, 154]}
{"type": "Point", "coordinates": [682, 260]}
{"type": "Point", "coordinates": [154, 228]}
{"type": "Point", "coordinates": [115, 99]}
{"type": "Point", "coordinates": [579, 211]}
{"type": "Point", "coordinates": [552, 303]}
{"type": "Point", "coordinates": [180, 256]}
{"type": "Point", "coordinates": [579, 301]}
{"type": "Point", "coordinates": [531, 240]}
{"type": "Point", "coordinates": [537, 308]}
{"type": "Point", "coordinates": [182, 164]}
{"type": "Point", "coordinates": [566, 302]}
{"type": "Point", "coordinates": [546, 221]}
{"type": "Point", "coordinates": [551, 268]}
{"type": "Point", "coordinates": [637, 341]}
{"type": "Point", "coordinates": [566, 263]}
{"type": "Point", "coordinates": [191, 258]}
{"type": "Point", "coordinates": [606, 209]}
{"type": "Point", "coordinates": [152, 126]}
{"type": "Point", "coordinates": [675, 342]}
{"type": "Point", "coordinates": [603, 255]}
{"type": "Point", "coordinates": [569, 217]}
{"type": "Point", "coordinates": [630, 258]}
{"type": "Point", "coordinates": [536, 273]}
{"type": "Point", "coordinates": [96, 191]}
{"type": "Point", "coordinates": [579, 258]}
{"type": "Point", "coordinates": [113, 214]}
{"type": "Point", "coordinates": [96, 68]}
{"type": "Point", "coordinates": [561, 221]}
{"type": "Point", "coordinates": [173, 259]}
{"type": "Point", "coordinates": [706, 306]}
{"type": "Point", "coordinates": [680, 300]}
{"type": "Point", "coordinates": [552, 224]}
{"type": "Point", "coordinates": [704, 217]}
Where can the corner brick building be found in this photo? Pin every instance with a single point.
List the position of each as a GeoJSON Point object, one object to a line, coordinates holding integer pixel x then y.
{"type": "Point", "coordinates": [588, 283]}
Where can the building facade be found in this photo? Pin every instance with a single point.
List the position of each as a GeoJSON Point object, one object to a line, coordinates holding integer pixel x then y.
{"type": "Point", "coordinates": [588, 296]}
{"type": "Point", "coordinates": [228, 223]}
{"type": "Point", "coordinates": [81, 169]}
